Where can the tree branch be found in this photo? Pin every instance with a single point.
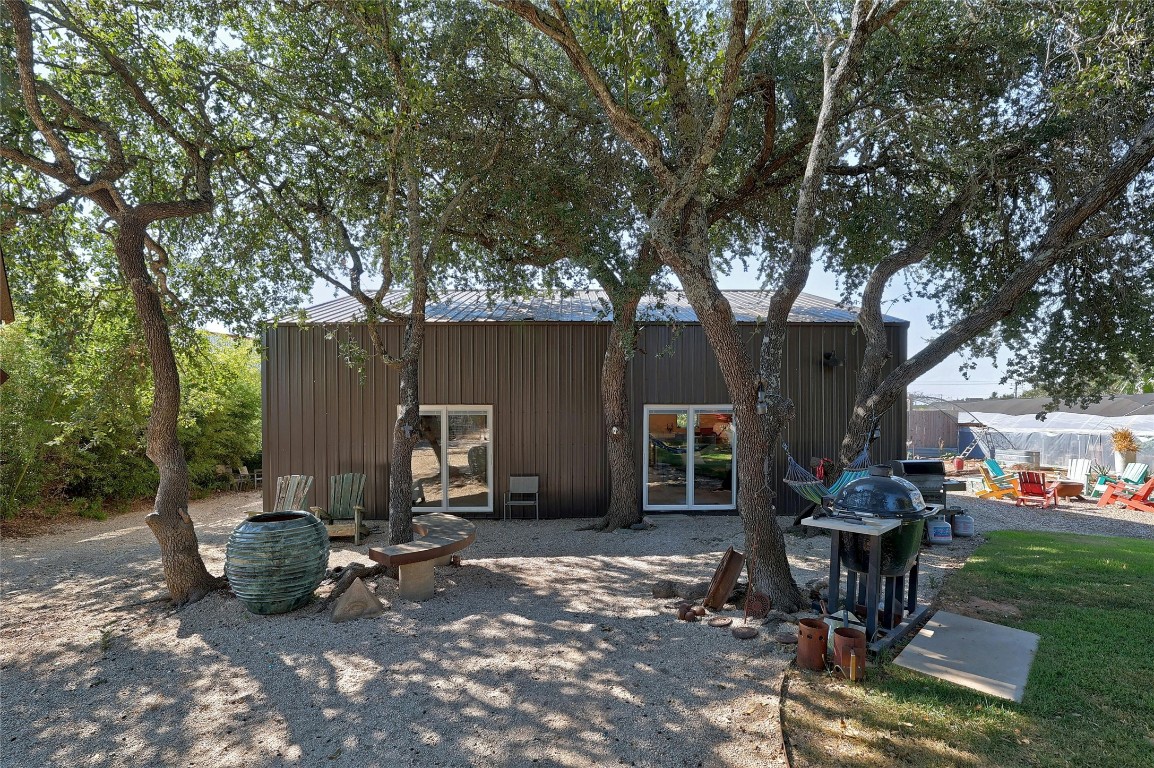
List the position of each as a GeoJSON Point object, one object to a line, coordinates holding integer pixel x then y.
{"type": "Point", "coordinates": [557, 28]}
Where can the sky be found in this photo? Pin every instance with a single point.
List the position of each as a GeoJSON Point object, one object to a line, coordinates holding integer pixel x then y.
{"type": "Point", "coordinates": [944, 380]}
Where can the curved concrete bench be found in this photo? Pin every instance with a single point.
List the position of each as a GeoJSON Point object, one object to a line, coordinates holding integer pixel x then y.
{"type": "Point", "coordinates": [438, 536]}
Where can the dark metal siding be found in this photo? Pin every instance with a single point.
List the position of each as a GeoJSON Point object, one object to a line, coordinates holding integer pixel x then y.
{"type": "Point", "coordinates": [323, 417]}
{"type": "Point", "coordinates": [822, 396]}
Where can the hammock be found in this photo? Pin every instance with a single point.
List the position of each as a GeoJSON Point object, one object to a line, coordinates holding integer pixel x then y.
{"type": "Point", "coordinates": [804, 484]}
{"type": "Point", "coordinates": [667, 447]}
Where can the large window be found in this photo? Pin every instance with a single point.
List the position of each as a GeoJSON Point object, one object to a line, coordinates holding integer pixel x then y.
{"type": "Point", "coordinates": [452, 462]}
{"type": "Point", "coordinates": [689, 457]}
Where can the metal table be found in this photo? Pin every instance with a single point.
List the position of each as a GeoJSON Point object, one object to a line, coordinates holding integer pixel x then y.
{"type": "Point", "coordinates": [904, 587]}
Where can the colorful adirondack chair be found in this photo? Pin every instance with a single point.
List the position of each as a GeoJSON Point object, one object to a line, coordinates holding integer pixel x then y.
{"type": "Point", "coordinates": [996, 470]}
{"type": "Point", "coordinates": [1132, 475]}
{"type": "Point", "coordinates": [995, 488]}
{"type": "Point", "coordinates": [1136, 497]}
{"type": "Point", "coordinates": [1031, 487]}
{"type": "Point", "coordinates": [346, 497]}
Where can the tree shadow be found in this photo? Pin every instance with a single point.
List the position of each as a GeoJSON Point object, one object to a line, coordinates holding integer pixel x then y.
{"type": "Point", "coordinates": [558, 658]}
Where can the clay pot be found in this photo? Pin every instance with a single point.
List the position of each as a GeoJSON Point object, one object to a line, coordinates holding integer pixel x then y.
{"type": "Point", "coordinates": [849, 652]}
{"type": "Point", "coordinates": [812, 637]}
{"type": "Point", "coordinates": [275, 561]}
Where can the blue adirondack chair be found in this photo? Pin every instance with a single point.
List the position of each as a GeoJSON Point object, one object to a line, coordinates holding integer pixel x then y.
{"type": "Point", "coordinates": [345, 510]}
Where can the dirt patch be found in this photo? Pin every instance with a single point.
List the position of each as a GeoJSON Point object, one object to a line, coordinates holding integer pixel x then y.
{"type": "Point", "coordinates": [44, 522]}
{"type": "Point", "coordinates": [980, 608]}
{"type": "Point", "coordinates": [830, 723]}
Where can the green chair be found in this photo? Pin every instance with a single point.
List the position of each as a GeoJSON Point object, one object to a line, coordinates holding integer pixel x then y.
{"type": "Point", "coordinates": [1132, 476]}
{"type": "Point", "coordinates": [346, 498]}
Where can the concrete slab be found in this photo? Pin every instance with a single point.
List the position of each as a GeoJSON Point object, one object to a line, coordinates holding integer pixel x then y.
{"type": "Point", "coordinates": [973, 654]}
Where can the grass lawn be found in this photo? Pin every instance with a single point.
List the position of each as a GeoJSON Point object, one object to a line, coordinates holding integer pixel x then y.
{"type": "Point", "coordinates": [1090, 695]}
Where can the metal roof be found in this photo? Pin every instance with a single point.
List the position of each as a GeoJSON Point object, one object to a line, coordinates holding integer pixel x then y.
{"type": "Point", "coordinates": [586, 306]}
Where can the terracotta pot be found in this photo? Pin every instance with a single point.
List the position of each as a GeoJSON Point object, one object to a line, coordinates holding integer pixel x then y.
{"type": "Point", "coordinates": [812, 637]}
{"type": "Point", "coordinates": [849, 652]}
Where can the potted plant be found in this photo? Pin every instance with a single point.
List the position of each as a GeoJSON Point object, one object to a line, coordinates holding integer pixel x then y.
{"type": "Point", "coordinates": [1125, 448]}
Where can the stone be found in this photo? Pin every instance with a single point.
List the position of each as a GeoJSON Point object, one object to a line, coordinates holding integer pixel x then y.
{"type": "Point", "coordinates": [665, 589]}
{"type": "Point", "coordinates": [693, 591]}
{"type": "Point", "coordinates": [781, 616]}
{"type": "Point", "coordinates": [357, 602]}
{"type": "Point", "coordinates": [639, 527]}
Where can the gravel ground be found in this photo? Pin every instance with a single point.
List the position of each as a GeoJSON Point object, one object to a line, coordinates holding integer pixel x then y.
{"type": "Point", "coordinates": [545, 648]}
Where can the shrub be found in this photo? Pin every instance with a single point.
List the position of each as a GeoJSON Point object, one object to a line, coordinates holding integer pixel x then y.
{"type": "Point", "coordinates": [73, 416]}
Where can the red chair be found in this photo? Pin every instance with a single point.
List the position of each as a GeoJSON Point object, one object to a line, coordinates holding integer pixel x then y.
{"type": "Point", "coordinates": [1031, 487]}
{"type": "Point", "coordinates": [1129, 495]}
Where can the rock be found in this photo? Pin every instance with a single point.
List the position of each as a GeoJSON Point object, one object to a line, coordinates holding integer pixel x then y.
{"type": "Point", "coordinates": [357, 602]}
{"type": "Point", "coordinates": [639, 527]}
{"type": "Point", "coordinates": [664, 589]}
{"type": "Point", "coordinates": [781, 616]}
{"type": "Point", "coordinates": [693, 591]}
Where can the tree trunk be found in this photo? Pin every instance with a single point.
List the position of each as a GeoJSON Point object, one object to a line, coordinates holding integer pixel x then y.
{"type": "Point", "coordinates": [406, 433]}
{"type": "Point", "coordinates": [184, 572]}
{"type": "Point", "coordinates": [625, 489]}
{"type": "Point", "coordinates": [765, 545]}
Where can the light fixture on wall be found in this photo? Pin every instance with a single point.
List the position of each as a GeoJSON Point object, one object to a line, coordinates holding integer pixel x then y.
{"type": "Point", "coordinates": [831, 360]}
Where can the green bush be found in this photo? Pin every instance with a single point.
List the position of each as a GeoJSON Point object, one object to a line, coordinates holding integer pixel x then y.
{"type": "Point", "coordinates": [73, 416]}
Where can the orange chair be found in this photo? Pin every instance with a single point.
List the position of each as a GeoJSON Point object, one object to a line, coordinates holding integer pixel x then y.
{"type": "Point", "coordinates": [1135, 498]}
{"type": "Point", "coordinates": [1031, 487]}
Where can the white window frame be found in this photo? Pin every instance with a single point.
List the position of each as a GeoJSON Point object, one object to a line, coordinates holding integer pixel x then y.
{"type": "Point", "coordinates": [443, 412]}
{"type": "Point", "coordinates": [690, 448]}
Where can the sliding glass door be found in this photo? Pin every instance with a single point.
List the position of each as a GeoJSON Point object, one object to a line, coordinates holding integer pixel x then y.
{"type": "Point", "coordinates": [452, 462]}
{"type": "Point", "coordinates": [689, 457]}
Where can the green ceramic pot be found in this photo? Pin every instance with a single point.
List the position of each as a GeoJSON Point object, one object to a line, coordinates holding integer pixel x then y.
{"type": "Point", "coordinates": [275, 561]}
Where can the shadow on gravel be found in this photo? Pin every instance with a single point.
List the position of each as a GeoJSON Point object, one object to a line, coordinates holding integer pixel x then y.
{"type": "Point", "coordinates": [502, 667]}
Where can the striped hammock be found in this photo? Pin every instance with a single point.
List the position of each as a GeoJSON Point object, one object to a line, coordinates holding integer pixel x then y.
{"type": "Point", "coordinates": [806, 485]}
{"type": "Point", "coordinates": [674, 449]}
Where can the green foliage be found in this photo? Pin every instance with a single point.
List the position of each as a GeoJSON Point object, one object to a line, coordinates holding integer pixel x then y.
{"type": "Point", "coordinates": [73, 418]}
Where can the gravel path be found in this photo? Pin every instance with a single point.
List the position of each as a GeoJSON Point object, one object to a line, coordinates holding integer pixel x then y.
{"type": "Point", "coordinates": [545, 648]}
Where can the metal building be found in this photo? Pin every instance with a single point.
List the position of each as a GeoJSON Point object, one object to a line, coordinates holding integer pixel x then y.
{"type": "Point", "coordinates": [511, 388]}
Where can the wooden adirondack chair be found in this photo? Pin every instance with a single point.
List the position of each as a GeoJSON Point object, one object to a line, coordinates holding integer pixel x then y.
{"type": "Point", "coordinates": [346, 497]}
{"type": "Point", "coordinates": [291, 491]}
{"type": "Point", "coordinates": [995, 488]}
{"type": "Point", "coordinates": [996, 470]}
{"type": "Point", "coordinates": [1031, 487]}
{"type": "Point", "coordinates": [1132, 476]}
{"type": "Point", "coordinates": [1079, 472]}
{"type": "Point", "coordinates": [1136, 497]}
